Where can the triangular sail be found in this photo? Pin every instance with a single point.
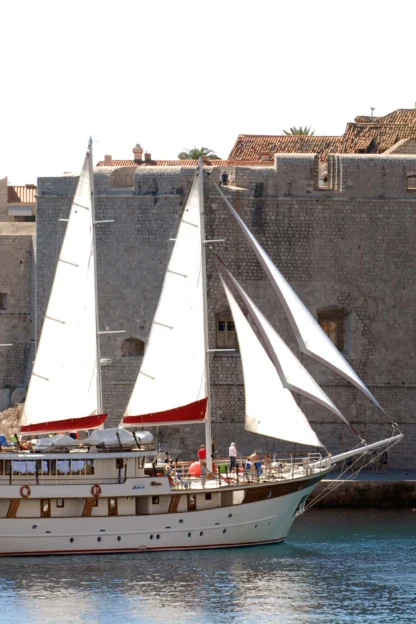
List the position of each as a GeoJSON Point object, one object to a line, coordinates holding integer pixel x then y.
{"type": "Point", "coordinates": [63, 388]}
{"type": "Point", "coordinates": [292, 373]}
{"type": "Point", "coordinates": [311, 338]}
{"type": "Point", "coordinates": [171, 386]}
{"type": "Point", "coordinates": [270, 408]}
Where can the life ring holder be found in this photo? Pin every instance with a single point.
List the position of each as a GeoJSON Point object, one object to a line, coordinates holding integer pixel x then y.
{"type": "Point", "coordinates": [96, 490]}
{"type": "Point", "coordinates": [25, 491]}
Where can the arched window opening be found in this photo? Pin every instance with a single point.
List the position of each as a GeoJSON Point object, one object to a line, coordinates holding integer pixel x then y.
{"type": "Point", "coordinates": [131, 347]}
{"type": "Point", "coordinates": [333, 321]}
{"type": "Point", "coordinates": [411, 183]}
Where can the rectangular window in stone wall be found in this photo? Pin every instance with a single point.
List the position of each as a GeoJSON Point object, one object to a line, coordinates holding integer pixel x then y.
{"type": "Point", "coordinates": [332, 321]}
{"type": "Point", "coordinates": [226, 335]}
{"type": "Point", "coordinates": [3, 301]}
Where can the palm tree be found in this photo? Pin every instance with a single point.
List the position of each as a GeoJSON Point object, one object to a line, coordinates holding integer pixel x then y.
{"type": "Point", "coordinates": [300, 130]}
{"type": "Point", "coordinates": [196, 152]}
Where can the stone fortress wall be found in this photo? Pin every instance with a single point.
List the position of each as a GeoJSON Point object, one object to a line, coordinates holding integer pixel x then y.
{"type": "Point", "coordinates": [17, 312]}
{"type": "Point", "coordinates": [348, 243]}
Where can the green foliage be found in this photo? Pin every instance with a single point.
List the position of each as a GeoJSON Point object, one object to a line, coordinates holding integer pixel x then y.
{"type": "Point", "coordinates": [305, 131]}
{"type": "Point", "coordinates": [197, 152]}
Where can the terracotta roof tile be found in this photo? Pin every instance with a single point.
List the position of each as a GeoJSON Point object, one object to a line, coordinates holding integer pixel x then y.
{"type": "Point", "coordinates": [21, 194]}
{"type": "Point", "coordinates": [185, 163]}
{"type": "Point", "coordinates": [250, 146]}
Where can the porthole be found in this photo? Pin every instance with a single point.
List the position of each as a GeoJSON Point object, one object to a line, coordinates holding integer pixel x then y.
{"type": "Point", "coordinates": [158, 536]}
{"type": "Point", "coordinates": [71, 540]}
{"type": "Point", "coordinates": [255, 526]}
{"type": "Point", "coordinates": [189, 534]}
{"type": "Point", "coordinates": [269, 524]}
{"type": "Point", "coordinates": [151, 537]}
{"type": "Point", "coordinates": [224, 530]}
{"type": "Point", "coordinates": [35, 526]}
{"type": "Point", "coordinates": [201, 533]}
{"type": "Point", "coordinates": [181, 520]}
{"type": "Point", "coordinates": [230, 515]}
{"type": "Point", "coordinates": [119, 539]}
{"type": "Point", "coordinates": [269, 494]}
{"type": "Point", "coordinates": [98, 539]}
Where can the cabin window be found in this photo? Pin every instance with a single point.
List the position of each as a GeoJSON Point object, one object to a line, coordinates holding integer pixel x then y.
{"type": "Point", "coordinates": [45, 508]}
{"type": "Point", "coordinates": [131, 347]}
{"type": "Point", "coordinates": [63, 467]}
{"type": "Point", "coordinates": [90, 466]}
{"type": "Point", "coordinates": [53, 466]}
{"type": "Point", "coordinates": [208, 496]}
{"type": "Point", "coordinates": [333, 322]}
{"type": "Point", "coordinates": [1, 467]}
{"type": "Point", "coordinates": [77, 466]}
{"type": "Point", "coordinates": [226, 335]}
{"type": "Point", "coordinates": [191, 503]}
{"type": "Point", "coordinates": [3, 301]}
{"type": "Point", "coordinates": [60, 503]}
{"type": "Point", "coordinates": [410, 185]}
{"type": "Point", "coordinates": [112, 507]}
{"type": "Point", "coordinates": [155, 500]}
{"type": "Point", "coordinates": [119, 463]}
{"type": "Point", "coordinates": [24, 467]}
{"type": "Point", "coordinates": [8, 466]}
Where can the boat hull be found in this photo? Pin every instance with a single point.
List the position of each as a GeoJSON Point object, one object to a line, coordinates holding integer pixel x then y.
{"type": "Point", "coordinates": [253, 523]}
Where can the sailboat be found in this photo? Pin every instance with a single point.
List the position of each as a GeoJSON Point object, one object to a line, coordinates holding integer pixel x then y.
{"type": "Point", "coordinates": [98, 494]}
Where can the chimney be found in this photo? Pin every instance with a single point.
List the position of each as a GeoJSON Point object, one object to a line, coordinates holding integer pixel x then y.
{"type": "Point", "coordinates": [265, 156]}
{"type": "Point", "coordinates": [138, 153]}
{"type": "Point", "coordinates": [108, 160]}
{"type": "Point", "coordinates": [147, 157]}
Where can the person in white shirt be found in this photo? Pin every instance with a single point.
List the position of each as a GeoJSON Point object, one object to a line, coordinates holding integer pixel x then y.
{"type": "Point", "coordinates": [232, 453]}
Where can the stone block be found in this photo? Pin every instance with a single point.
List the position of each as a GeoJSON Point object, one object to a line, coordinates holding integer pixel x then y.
{"type": "Point", "coordinates": [18, 395]}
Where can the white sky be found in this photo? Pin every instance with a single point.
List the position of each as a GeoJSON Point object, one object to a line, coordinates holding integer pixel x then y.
{"type": "Point", "coordinates": [171, 74]}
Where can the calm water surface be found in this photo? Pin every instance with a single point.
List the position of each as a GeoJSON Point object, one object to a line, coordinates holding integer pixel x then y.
{"type": "Point", "coordinates": [337, 567]}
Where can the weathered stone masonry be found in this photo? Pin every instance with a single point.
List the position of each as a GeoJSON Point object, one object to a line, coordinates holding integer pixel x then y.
{"type": "Point", "coordinates": [352, 247]}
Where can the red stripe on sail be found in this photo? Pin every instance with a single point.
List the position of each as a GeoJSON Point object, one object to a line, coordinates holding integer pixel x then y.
{"type": "Point", "coordinates": [194, 412]}
{"type": "Point", "coordinates": [69, 424]}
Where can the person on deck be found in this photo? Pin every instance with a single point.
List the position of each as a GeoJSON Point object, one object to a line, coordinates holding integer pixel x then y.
{"type": "Point", "coordinates": [202, 454]}
{"type": "Point", "coordinates": [232, 454]}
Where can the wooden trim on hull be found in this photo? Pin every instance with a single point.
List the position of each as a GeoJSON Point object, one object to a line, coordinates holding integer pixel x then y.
{"type": "Point", "coordinates": [276, 490]}
{"type": "Point", "coordinates": [138, 550]}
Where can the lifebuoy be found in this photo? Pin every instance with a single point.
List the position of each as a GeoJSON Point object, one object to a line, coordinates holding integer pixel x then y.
{"type": "Point", "coordinates": [25, 491]}
{"type": "Point", "coordinates": [96, 490]}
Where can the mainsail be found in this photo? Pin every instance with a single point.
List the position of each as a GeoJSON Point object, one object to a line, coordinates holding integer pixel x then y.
{"type": "Point", "coordinates": [270, 407]}
{"type": "Point", "coordinates": [171, 386]}
{"type": "Point", "coordinates": [292, 373]}
{"type": "Point", "coordinates": [311, 338]}
{"type": "Point", "coordinates": [63, 392]}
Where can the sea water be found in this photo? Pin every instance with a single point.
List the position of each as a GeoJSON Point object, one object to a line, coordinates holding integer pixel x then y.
{"type": "Point", "coordinates": [337, 566]}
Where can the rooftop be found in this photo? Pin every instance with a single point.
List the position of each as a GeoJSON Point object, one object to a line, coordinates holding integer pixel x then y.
{"type": "Point", "coordinates": [21, 194]}
{"type": "Point", "coordinates": [254, 146]}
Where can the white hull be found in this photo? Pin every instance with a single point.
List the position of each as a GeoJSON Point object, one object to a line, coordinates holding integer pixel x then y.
{"type": "Point", "coordinates": [261, 522]}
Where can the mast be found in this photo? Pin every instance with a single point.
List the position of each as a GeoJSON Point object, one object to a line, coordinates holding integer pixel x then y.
{"type": "Point", "coordinates": [97, 320]}
{"type": "Point", "coordinates": [208, 433]}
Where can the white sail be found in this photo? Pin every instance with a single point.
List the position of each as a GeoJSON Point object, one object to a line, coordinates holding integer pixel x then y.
{"type": "Point", "coordinates": [171, 385]}
{"type": "Point", "coordinates": [293, 374]}
{"type": "Point", "coordinates": [270, 407]}
{"type": "Point", "coordinates": [63, 389]}
{"type": "Point", "coordinates": [311, 338]}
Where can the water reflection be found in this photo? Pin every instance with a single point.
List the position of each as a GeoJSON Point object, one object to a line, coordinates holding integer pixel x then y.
{"type": "Point", "coordinates": [337, 567]}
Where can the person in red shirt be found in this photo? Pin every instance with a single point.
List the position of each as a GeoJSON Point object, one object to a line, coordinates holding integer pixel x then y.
{"type": "Point", "coordinates": [202, 453]}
